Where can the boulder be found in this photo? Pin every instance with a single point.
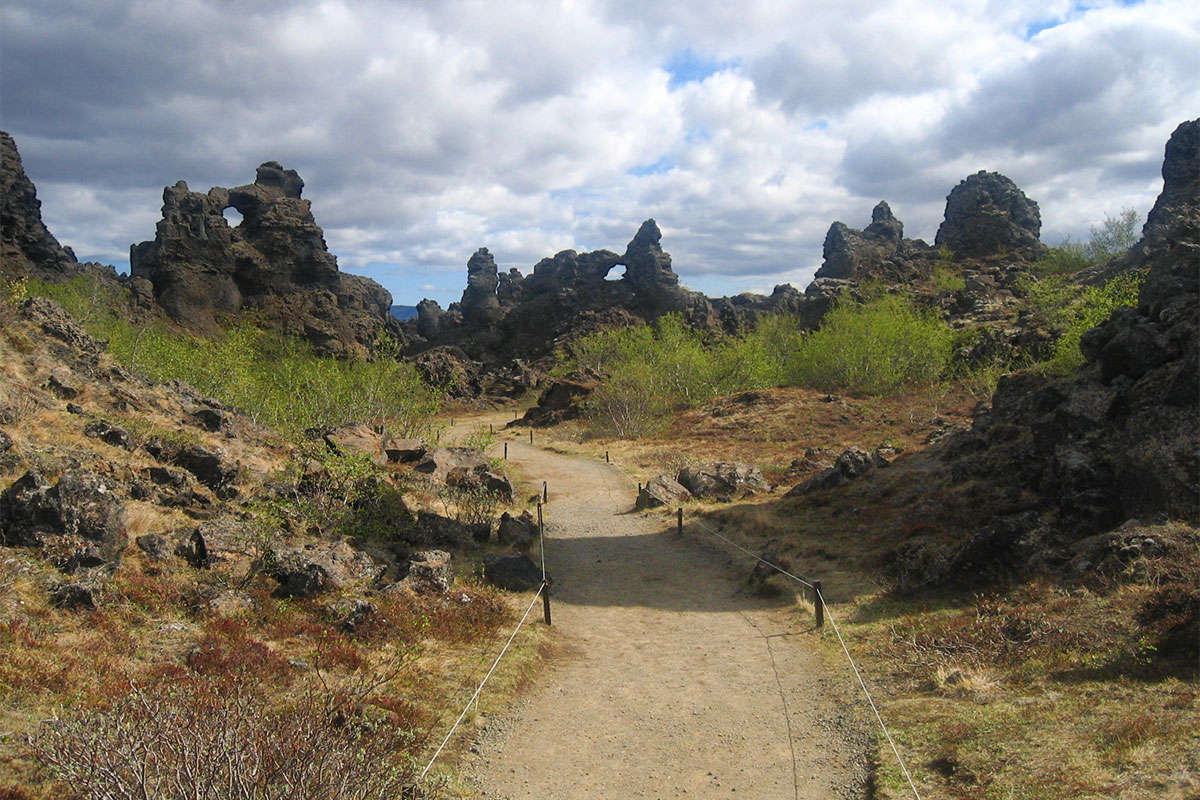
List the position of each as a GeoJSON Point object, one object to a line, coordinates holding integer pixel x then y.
{"type": "Point", "coordinates": [519, 532]}
{"type": "Point", "coordinates": [434, 530]}
{"type": "Point", "coordinates": [987, 214]}
{"type": "Point", "coordinates": [357, 439]}
{"type": "Point", "coordinates": [440, 462]}
{"type": "Point", "coordinates": [78, 518]}
{"type": "Point", "coordinates": [212, 467]}
{"type": "Point", "coordinates": [317, 568]}
{"type": "Point", "coordinates": [155, 547]}
{"type": "Point", "coordinates": [109, 434]}
{"type": "Point", "coordinates": [63, 383]}
{"type": "Point", "coordinates": [429, 572]}
{"type": "Point", "coordinates": [516, 573]}
{"type": "Point", "coordinates": [722, 479]}
{"type": "Point", "coordinates": [75, 595]}
{"type": "Point", "coordinates": [405, 451]}
{"type": "Point", "coordinates": [662, 491]}
{"type": "Point", "coordinates": [563, 399]}
{"type": "Point", "coordinates": [195, 550]}
{"type": "Point", "coordinates": [854, 462]}
{"type": "Point", "coordinates": [348, 613]}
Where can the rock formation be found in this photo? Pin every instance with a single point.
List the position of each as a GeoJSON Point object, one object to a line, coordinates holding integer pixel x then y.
{"type": "Point", "coordinates": [27, 248]}
{"type": "Point", "coordinates": [275, 262]}
{"type": "Point", "coordinates": [878, 250]}
{"type": "Point", "coordinates": [986, 214]}
{"type": "Point", "coordinates": [505, 322]}
{"type": "Point", "coordinates": [1116, 441]}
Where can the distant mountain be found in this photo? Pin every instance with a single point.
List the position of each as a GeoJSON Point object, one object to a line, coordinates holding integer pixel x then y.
{"type": "Point", "coordinates": [404, 312]}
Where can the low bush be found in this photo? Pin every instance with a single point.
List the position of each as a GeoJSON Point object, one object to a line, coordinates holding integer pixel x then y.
{"type": "Point", "coordinates": [1071, 310]}
{"type": "Point", "coordinates": [204, 741]}
{"type": "Point", "coordinates": [873, 348]}
{"type": "Point", "coordinates": [275, 379]}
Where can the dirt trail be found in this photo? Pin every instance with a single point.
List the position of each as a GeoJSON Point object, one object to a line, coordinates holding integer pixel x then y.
{"type": "Point", "coordinates": [671, 682]}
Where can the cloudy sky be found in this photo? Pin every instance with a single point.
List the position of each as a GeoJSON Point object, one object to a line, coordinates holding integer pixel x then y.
{"type": "Point", "coordinates": [424, 130]}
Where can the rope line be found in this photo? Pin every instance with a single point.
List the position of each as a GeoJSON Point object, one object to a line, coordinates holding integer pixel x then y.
{"type": "Point", "coordinates": [820, 599]}
{"type": "Point", "coordinates": [775, 567]}
{"type": "Point", "coordinates": [495, 663]}
{"type": "Point", "coordinates": [866, 692]}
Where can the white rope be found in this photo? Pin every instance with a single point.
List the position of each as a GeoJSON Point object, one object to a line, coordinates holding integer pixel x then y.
{"type": "Point", "coordinates": [820, 599]}
{"type": "Point", "coordinates": [863, 684]}
{"type": "Point", "coordinates": [775, 567]}
{"type": "Point", "coordinates": [495, 663]}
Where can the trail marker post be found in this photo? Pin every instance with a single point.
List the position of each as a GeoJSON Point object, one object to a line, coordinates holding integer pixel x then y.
{"type": "Point", "coordinates": [818, 604]}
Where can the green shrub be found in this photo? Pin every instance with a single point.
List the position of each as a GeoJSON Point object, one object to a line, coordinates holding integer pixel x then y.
{"type": "Point", "coordinates": [1071, 310]}
{"type": "Point", "coordinates": [277, 380]}
{"type": "Point", "coordinates": [873, 348]}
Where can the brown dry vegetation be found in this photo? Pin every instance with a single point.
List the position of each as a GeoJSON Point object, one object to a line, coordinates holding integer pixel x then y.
{"type": "Point", "coordinates": [412, 664]}
{"type": "Point", "coordinates": [1043, 688]}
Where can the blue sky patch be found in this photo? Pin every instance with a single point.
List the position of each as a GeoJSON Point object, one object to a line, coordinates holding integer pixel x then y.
{"type": "Point", "coordinates": [684, 66]}
{"type": "Point", "coordinates": [664, 164]}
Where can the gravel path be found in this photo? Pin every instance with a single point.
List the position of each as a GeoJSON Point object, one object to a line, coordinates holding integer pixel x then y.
{"type": "Point", "coordinates": [671, 681]}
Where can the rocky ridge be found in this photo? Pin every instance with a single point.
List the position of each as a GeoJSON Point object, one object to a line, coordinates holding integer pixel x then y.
{"type": "Point", "coordinates": [1113, 443]}
{"type": "Point", "coordinates": [27, 248]}
{"type": "Point", "coordinates": [274, 263]}
{"type": "Point", "coordinates": [499, 338]}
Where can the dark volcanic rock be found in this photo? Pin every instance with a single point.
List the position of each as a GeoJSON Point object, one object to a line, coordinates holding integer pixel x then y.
{"type": "Point", "coordinates": [275, 261]}
{"type": "Point", "coordinates": [429, 572]}
{"type": "Point", "coordinates": [563, 399]}
{"type": "Point", "coordinates": [1117, 439]}
{"type": "Point", "coordinates": [988, 214]}
{"type": "Point", "coordinates": [80, 512]}
{"type": "Point", "coordinates": [479, 302]}
{"type": "Point", "coordinates": [26, 246]}
{"type": "Point", "coordinates": [661, 491]}
{"type": "Point", "coordinates": [723, 479]}
{"type": "Point", "coordinates": [519, 532]}
{"type": "Point", "coordinates": [213, 468]}
{"type": "Point", "coordinates": [880, 250]}
{"type": "Point", "coordinates": [504, 331]}
{"type": "Point", "coordinates": [516, 573]}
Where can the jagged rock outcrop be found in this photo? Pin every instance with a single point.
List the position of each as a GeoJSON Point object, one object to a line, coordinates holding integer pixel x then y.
{"type": "Point", "coordinates": [274, 262]}
{"type": "Point", "coordinates": [987, 214]}
{"type": "Point", "coordinates": [27, 247]}
{"type": "Point", "coordinates": [491, 342]}
{"type": "Point", "coordinates": [878, 251]}
{"type": "Point", "coordinates": [1115, 441]}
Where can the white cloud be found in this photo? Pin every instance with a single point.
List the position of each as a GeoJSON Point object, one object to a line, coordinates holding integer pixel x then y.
{"type": "Point", "coordinates": [425, 130]}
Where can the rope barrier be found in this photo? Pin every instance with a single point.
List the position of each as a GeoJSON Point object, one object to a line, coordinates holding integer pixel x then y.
{"type": "Point", "coordinates": [495, 663]}
{"type": "Point", "coordinates": [857, 674]}
{"type": "Point", "coordinates": [871, 701]}
{"type": "Point", "coordinates": [775, 567]}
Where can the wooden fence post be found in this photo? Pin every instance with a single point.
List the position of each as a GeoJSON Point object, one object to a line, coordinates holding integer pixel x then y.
{"type": "Point", "coordinates": [545, 493]}
{"type": "Point", "coordinates": [506, 451]}
{"type": "Point", "coordinates": [679, 521]}
{"type": "Point", "coordinates": [819, 604]}
{"type": "Point", "coordinates": [546, 602]}
{"type": "Point", "coordinates": [606, 457]}
{"type": "Point", "coordinates": [531, 437]}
